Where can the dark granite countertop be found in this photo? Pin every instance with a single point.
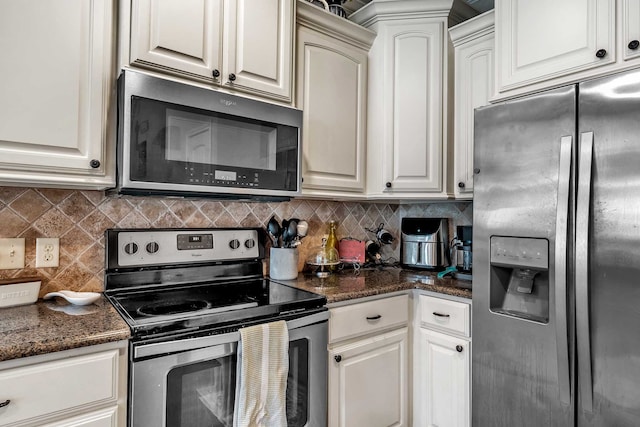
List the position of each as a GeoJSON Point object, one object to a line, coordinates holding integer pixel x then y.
{"type": "Point", "coordinates": [55, 325]}
{"type": "Point", "coordinates": [346, 284]}
{"type": "Point", "coordinates": [49, 326]}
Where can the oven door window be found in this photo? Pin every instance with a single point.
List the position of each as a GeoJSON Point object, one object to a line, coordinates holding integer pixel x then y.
{"type": "Point", "coordinates": [182, 145]}
{"type": "Point", "coordinates": [203, 393]}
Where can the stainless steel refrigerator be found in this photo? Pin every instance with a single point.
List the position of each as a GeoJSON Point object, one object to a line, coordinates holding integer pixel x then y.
{"type": "Point", "coordinates": [556, 274]}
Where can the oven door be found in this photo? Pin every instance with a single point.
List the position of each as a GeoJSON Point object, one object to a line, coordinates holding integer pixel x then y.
{"type": "Point", "coordinates": [195, 386]}
{"type": "Point", "coordinates": [175, 137]}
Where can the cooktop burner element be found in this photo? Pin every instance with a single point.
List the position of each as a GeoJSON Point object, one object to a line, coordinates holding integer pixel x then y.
{"type": "Point", "coordinates": [186, 280]}
{"type": "Point", "coordinates": [164, 308]}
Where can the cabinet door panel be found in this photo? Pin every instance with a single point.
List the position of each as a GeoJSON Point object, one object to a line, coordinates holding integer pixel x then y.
{"type": "Point", "coordinates": [368, 386]}
{"type": "Point", "coordinates": [56, 87]}
{"type": "Point", "coordinates": [473, 88]}
{"type": "Point", "coordinates": [630, 27]}
{"type": "Point", "coordinates": [444, 380]}
{"type": "Point", "coordinates": [105, 418]}
{"type": "Point", "coordinates": [177, 36]}
{"type": "Point", "coordinates": [414, 138]}
{"type": "Point", "coordinates": [332, 94]}
{"type": "Point", "coordinates": [258, 46]}
{"type": "Point", "coordinates": [536, 41]}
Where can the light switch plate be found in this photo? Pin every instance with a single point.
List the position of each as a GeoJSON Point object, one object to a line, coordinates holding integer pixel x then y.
{"type": "Point", "coordinates": [11, 253]}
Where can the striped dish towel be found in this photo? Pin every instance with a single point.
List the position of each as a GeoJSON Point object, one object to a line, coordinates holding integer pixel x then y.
{"type": "Point", "coordinates": [261, 380]}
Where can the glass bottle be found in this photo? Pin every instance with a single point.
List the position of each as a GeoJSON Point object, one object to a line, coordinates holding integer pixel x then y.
{"type": "Point", "coordinates": [332, 240]}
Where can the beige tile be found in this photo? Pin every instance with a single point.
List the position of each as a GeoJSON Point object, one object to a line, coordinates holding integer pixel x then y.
{"type": "Point", "coordinates": [8, 194]}
{"type": "Point", "coordinates": [115, 209]}
{"type": "Point", "coordinates": [76, 241]}
{"type": "Point", "coordinates": [30, 205]}
{"type": "Point", "coordinates": [77, 207]}
{"type": "Point", "coordinates": [96, 223]}
{"type": "Point", "coordinates": [151, 209]}
{"type": "Point", "coordinates": [183, 209]}
{"type": "Point", "coordinates": [53, 223]}
{"type": "Point", "coordinates": [11, 224]}
{"type": "Point", "coordinates": [55, 195]}
{"type": "Point", "coordinates": [134, 220]}
{"type": "Point", "coordinates": [168, 220]}
{"type": "Point", "coordinates": [93, 258]}
{"type": "Point", "coordinates": [198, 220]}
{"type": "Point", "coordinates": [212, 210]}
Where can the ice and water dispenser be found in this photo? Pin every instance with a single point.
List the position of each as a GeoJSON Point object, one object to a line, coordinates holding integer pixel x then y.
{"type": "Point", "coordinates": [519, 284]}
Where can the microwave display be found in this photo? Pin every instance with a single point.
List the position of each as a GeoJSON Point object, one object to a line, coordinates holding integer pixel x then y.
{"type": "Point", "coordinates": [177, 144]}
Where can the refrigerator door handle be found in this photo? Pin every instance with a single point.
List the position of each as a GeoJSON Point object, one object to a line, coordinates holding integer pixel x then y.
{"type": "Point", "coordinates": [562, 343]}
{"type": "Point", "coordinates": [582, 271]}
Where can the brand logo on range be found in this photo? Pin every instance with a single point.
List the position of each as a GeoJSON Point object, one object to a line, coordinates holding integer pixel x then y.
{"type": "Point", "coordinates": [227, 102]}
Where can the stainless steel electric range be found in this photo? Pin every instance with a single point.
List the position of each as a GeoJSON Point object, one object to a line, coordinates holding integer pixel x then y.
{"type": "Point", "coordinates": [185, 293]}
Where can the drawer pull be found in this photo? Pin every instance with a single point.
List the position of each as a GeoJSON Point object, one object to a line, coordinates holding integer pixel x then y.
{"type": "Point", "coordinates": [379, 316]}
{"type": "Point", "coordinates": [5, 403]}
{"type": "Point", "coordinates": [435, 313]}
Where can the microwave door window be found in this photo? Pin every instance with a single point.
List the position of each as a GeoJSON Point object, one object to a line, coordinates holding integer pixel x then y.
{"type": "Point", "coordinates": [244, 144]}
{"type": "Point", "coordinates": [188, 137]}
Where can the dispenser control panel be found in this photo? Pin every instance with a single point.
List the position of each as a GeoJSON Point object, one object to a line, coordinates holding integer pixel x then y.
{"type": "Point", "coordinates": [520, 252]}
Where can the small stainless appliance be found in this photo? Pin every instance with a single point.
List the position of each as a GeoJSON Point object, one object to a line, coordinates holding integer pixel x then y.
{"type": "Point", "coordinates": [461, 250]}
{"type": "Point", "coordinates": [180, 139]}
{"type": "Point", "coordinates": [424, 243]}
{"type": "Point", "coordinates": [185, 293]}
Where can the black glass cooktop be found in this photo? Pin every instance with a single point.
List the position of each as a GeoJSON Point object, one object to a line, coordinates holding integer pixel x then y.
{"type": "Point", "coordinates": [200, 305]}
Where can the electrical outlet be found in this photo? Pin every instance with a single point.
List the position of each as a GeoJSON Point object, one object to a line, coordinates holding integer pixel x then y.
{"type": "Point", "coordinates": [11, 253]}
{"type": "Point", "coordinates": [47, 252]}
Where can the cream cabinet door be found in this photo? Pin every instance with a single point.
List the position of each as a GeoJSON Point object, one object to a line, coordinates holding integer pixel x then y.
{"type": "Point", "coordinates": [180, 37]}
{"type": "Point", "coordinates": [104, 418]}
{"type": "Point", "coordinates": [473, 42]}
{"type": "Point", "coordinates": [409, 133]}
{"type": "Point", "coordinates": [368, 382]}
{"type": "Point", "coordinates": [258, 46]}
{"type": "Point", "coordinates": [630, 22]}
{"type": "Point", "coordinates": [545, 39]}
{"type": "Point", "coordinates": [57, 92]}
{"type": "Point", "coordinates": [444, 381]}
{"type": "Point", "coordinates": [240, 44]}
{"type": "Point", "coordinates": [332, 87]}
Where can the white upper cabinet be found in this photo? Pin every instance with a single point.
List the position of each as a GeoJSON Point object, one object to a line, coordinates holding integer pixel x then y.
{"type": "Point", "coordinates": [237, 44]}
{"type": "Point", "coordinates": [473, 42]}
{"type": "Point", "coordinates": [550, 43]}
{"type": "Point", "coordinates": [58, 93]}
{"type": "Point", "coordinates": [629, 19]}
{"type": "Point", "coordinates": [332, 93]}
{"type": "Point", "coordinates": [408, 107]}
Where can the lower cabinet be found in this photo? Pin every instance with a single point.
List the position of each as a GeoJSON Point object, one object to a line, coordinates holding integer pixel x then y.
{"type": "Point", "coordinates": [442, 363]}
{"type": "Point", "coordinates": [369, 363]}
{"type": "Point", "coordinates": [444, 378]}
{"type": "Point", "coordinates": [81, 387]}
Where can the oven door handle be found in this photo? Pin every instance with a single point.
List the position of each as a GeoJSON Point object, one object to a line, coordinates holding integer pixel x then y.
{"type": "Point", "coordinates": [149, 350]}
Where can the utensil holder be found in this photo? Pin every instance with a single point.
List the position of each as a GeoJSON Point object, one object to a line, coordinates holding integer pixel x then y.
{"type": "Point", "coordinates": [283, 263]}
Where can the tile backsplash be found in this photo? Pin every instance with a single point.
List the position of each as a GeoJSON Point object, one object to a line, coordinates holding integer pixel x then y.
{"type": "Point", "coordinates": [79, 219]}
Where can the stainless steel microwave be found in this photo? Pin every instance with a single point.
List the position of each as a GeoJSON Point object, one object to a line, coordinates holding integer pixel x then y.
{"type": "Point", "coordinates": [183, 140]}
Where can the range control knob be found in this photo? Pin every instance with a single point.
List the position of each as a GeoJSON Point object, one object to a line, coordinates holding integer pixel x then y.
{"type": "Point", "coordinates": [234, 244]}
{"type": "Point", "coordinates": [152, 247]}
{"type": "Point", "coordinates": [131, 248]}
{"type": "Point", "coordinates": [249, 243]}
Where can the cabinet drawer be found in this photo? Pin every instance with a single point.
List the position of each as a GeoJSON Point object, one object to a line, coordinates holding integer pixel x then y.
{"type": "Point", "coordinates": [445, 314]}
{"type": "Point", "coordinates": [59, 386]}
{"type": "Point", "coordinates": [366, 317]}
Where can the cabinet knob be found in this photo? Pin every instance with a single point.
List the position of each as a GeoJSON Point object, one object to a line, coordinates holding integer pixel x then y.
{"type": "Point", "coordinates": [232, 77]}
{"type": "Point", "coordinates": [601, 53]}
{"type": "Point", "coordinates": [461, 184]}
{"type": "Point", "coordinates": [633, 44]}
{"type": "Point", "coordinates": [94, 163]}
{"type": "Point", "coordinates": [476, 171]}
{"type": "Point", "coordinates": [337, 358]}
{"type": "Point", "coordinates": [459, 348]}
{"type": "Point", "coordinates": [5, 403]}
{"type": "Point", "coordinates": [215, 73]}
{"type": "Point", "coordinates": [388, 185]}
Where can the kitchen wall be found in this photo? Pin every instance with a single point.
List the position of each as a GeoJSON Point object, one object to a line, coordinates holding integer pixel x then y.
{"type": "Point", "coordinates": [79, 219]}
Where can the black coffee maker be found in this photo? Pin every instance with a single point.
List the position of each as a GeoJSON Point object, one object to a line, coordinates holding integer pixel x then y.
{"type": "Point", "coordinates": [461, 254]}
